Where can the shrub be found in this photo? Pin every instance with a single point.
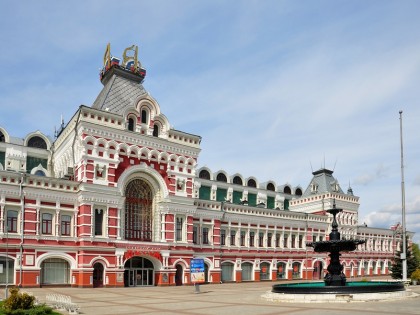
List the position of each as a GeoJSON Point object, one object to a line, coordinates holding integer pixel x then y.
{"type": "Point", "coordinates": [18, 301]}
{"type": "Point", "coordinates": [416, 275]}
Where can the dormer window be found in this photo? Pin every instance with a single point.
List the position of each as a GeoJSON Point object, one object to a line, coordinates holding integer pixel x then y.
{"type": "Point", "coordinates": [37, 142]}
{"type": "Point", "coordinates": [155, 131]}
{"type": "Point", "coordinates": [144, 116]}
{"type": "Point", "coordinates": [130, 124]}
{"type": "Point", "coordinates": [2, 137]}
{"type": "Point", "coordinates": [314, 188]}
{"type": "Point", "coordinates": [335, 186]}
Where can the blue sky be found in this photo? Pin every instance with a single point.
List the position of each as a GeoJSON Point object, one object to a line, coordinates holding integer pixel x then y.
{"type": "Point", "coordinates": [272, 87]}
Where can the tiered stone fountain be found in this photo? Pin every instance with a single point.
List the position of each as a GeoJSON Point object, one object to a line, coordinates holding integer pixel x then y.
{"type": "Point", "coordinates": [335, 286]}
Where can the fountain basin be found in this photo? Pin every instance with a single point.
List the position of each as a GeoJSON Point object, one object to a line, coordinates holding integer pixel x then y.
{"type": "Point", "coordinates": [349, 288]}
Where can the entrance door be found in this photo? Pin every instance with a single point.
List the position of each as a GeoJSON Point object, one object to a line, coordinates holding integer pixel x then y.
{"type": "Point", "coordinates": [98, 275]}
{"type": "Point", "coordinates": [178, 275]}
{"type": "Point", "coordinates": [317, 274]}
{"type": "Point", "coordinates": [138, 272]}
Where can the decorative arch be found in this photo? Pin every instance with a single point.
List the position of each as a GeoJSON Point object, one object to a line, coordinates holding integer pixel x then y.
{"type": "Point", "coordinates": [205, 173]}
{"type": "Point", "coordinates": [60, 255]}
{"type": "Point", "coordinates": [252, 182]}
{"type": "Point", "coordinates": [101, 260]}
{"type": "Point", "coordinates": [222, 177]}
{"type": "Point", "coordinates": [37, 140]}
{"type": "Point", "coordinates": [4, 136]}
{"type": "Point", "coordinates": [144, 172]}
{"type": "Point", "coordinates": [237, 179]}
{"type": "Point", "coordinates": [37, 171]}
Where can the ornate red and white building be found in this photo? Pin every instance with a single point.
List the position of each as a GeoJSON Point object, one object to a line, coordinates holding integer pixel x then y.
{"type": "Point", "coordinates": [116, 199]}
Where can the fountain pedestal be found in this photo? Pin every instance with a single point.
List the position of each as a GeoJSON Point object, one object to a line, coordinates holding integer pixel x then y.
{"type": "Point", "coordinates": [335, 275]}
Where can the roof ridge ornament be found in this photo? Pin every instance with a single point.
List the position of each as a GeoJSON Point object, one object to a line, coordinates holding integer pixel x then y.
{"type": "Point", "coordinates": [130, 67]}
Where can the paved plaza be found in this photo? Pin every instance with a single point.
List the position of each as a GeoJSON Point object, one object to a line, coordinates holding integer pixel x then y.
{"type": "Point", "coordinates": [227, 298]}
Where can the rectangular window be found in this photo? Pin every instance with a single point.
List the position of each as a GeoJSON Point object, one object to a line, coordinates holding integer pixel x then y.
{"type": "Point", "coordinates": [47, 223]}
{"type": "Point", "coordinates": [65, 225]}
{"type": "Point", "coordinates": [277, 240]}
{"type": "Point", "coordinates": [300, 241]}
{"type": "Point", "coordinates": [252, 200]}
{"type": "Point", "coordinates": [237, 196]}
{"type": "Point", "coordinates": [222, 237]}
{"type": "Point", "coordinates": [285, 241]}
{"type": "Point", "coordinates": [232, 237]}
{"type": "Point", "coordinates": [221, 194]}
{"type": "Point", "coordinates": [270, 202]}
{"type": "Point", "coordinates": [261, 239]}
{"type": "Point", "coordinates": [205, 235]}
{"type": "Point", "coordinates": [179, 223]}
{"type": "Point", "coordinates": [242, 238]}
{"type": "Point", "coordinates": [195, 234]}
{"type": "Point", "coordinates": [12, 225]}
{"type": "Point", "coordinates": [293, 245]}
{"type": "Point", "coordinates": [99, 218]}
{"type": "Point", "coordinates": [269, 237]}
{"type": "Point", "coordinates": [251, 239]}
{"type": "Point", "coordinates": [204, 192]}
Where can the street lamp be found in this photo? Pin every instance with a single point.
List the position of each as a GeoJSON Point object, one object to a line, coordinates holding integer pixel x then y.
{"type": "Point", "coordinates": [404, 251]}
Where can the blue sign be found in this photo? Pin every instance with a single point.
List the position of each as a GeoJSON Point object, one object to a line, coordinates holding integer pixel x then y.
{"type": "Point", "coordinates": [197, 270]}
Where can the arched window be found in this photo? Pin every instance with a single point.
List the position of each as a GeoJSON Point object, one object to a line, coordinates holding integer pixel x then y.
{"type": "Point", "coordinates": [155, 131]}
{"type": "Point", "coordinates": [37, 142]}
{"type": "Point", "coordinates": [237, 180]}
{"type": "Point", "coordinates": [287, 190]}
{"type": "Point", "coordinates": [130, 124]}
{"type": "Point", "coordinates": [298, 192]}
{"type": "Point", "coordinates": [2, 137]}
{"type": "Point", "coordinates": [144, 116]}
{"type": "Point", "coordinates": [271, 187]}
{"type": "Point", "coordinates": [138, 211]}
{"type": "Point", "coordinates": [252, 183]}
{"type": "Point", "coordinates": [221, 178]}
{"type": "Point", "coordinates": [204, 175]}
{"type": "Point", "coordinates": [55, 271]}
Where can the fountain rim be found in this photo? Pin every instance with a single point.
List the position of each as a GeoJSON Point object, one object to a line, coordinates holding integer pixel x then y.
{"type": "Point", "coordinates": [369, 287]}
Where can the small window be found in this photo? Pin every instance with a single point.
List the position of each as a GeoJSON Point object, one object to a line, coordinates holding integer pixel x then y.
{"type": "Point", "coordinates": [144, 116]}
{"type": "Point", "coordinates": [261, 239]}
{"type": "Point", "coordinates": [204, 175]}
{"type": "Point", "coordinates": [251, 239]}
{"type": "Point", "coordinates": [130, 124]}
{"type": "Point", "coordinates": [222, 237]}
{"type": "Point", "coordinates": [179, 224]}
{"type": "Point", "coordinates": [233, 237]}
{"type": "Point", "coordinates": [39, 173]}
{"type": "Point", "coordinates": [298, 192]}
{"type": "Point", "coordinates": [237, 180]}
{"type": "Point", "coordinates": [99, 218]}
{"type": "Point", "coordinates": [271, 187]}
{"type": "Point", "coordinates": [2, 137]}
{"type": "Point", "coordinates": [242, 238]}
{"type": "Point", "coordinates": [47, 223]}
{"type": "Point", "coordinates": [195, 234]}
{"type": "Point", "coordinates": [12, 217]}
{"type": "Point", "coordinates": [287, 190]}
{"type": "Point", "coordinates": [37, 142]}
{"type": "Point", "coordinates": [65, 225]}
{"type": "Point", "coordinates": [252, 183]}
{"type": "Point", "coordinates": [221, 178]}
{"type": "Point", "coordinates": [155, 131]}
{"type": "Point", "coordinates": [205, 235]}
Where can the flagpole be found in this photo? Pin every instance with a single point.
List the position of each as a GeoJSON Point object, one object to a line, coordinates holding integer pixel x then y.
{"type": "Point", "coordinates": [404, 249]}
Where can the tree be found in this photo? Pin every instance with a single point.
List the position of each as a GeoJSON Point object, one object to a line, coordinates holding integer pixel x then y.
{"type": "Point", "coordinates": [416, 252]}
{"type": "Point", "coordinates": [412, 264]}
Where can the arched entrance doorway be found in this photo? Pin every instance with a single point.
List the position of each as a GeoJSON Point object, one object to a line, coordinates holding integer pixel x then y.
{"type": "Point", "coordinates": [265, 272]}
{"type": "Point", "coordinates": [227, 271]}
{"type": "Point", "coordinates": [98, 275]}
{"type": "Point", "coordinates": [318, 271]}
{"type": "Point", "coordinates": [247, 271]}
{"type": "Point", "coordinates": [206, 273]}
{"type": "Point", "coordinates": [55, 271]}
{"type": "Point", "coordinates": [8, 266]}
{"type": "Point", "coordinates": [139, 272]}
{"type": "Point", "coordinates": [179, 274]}
{"type": "Point", "coordinates": [281, 270]}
